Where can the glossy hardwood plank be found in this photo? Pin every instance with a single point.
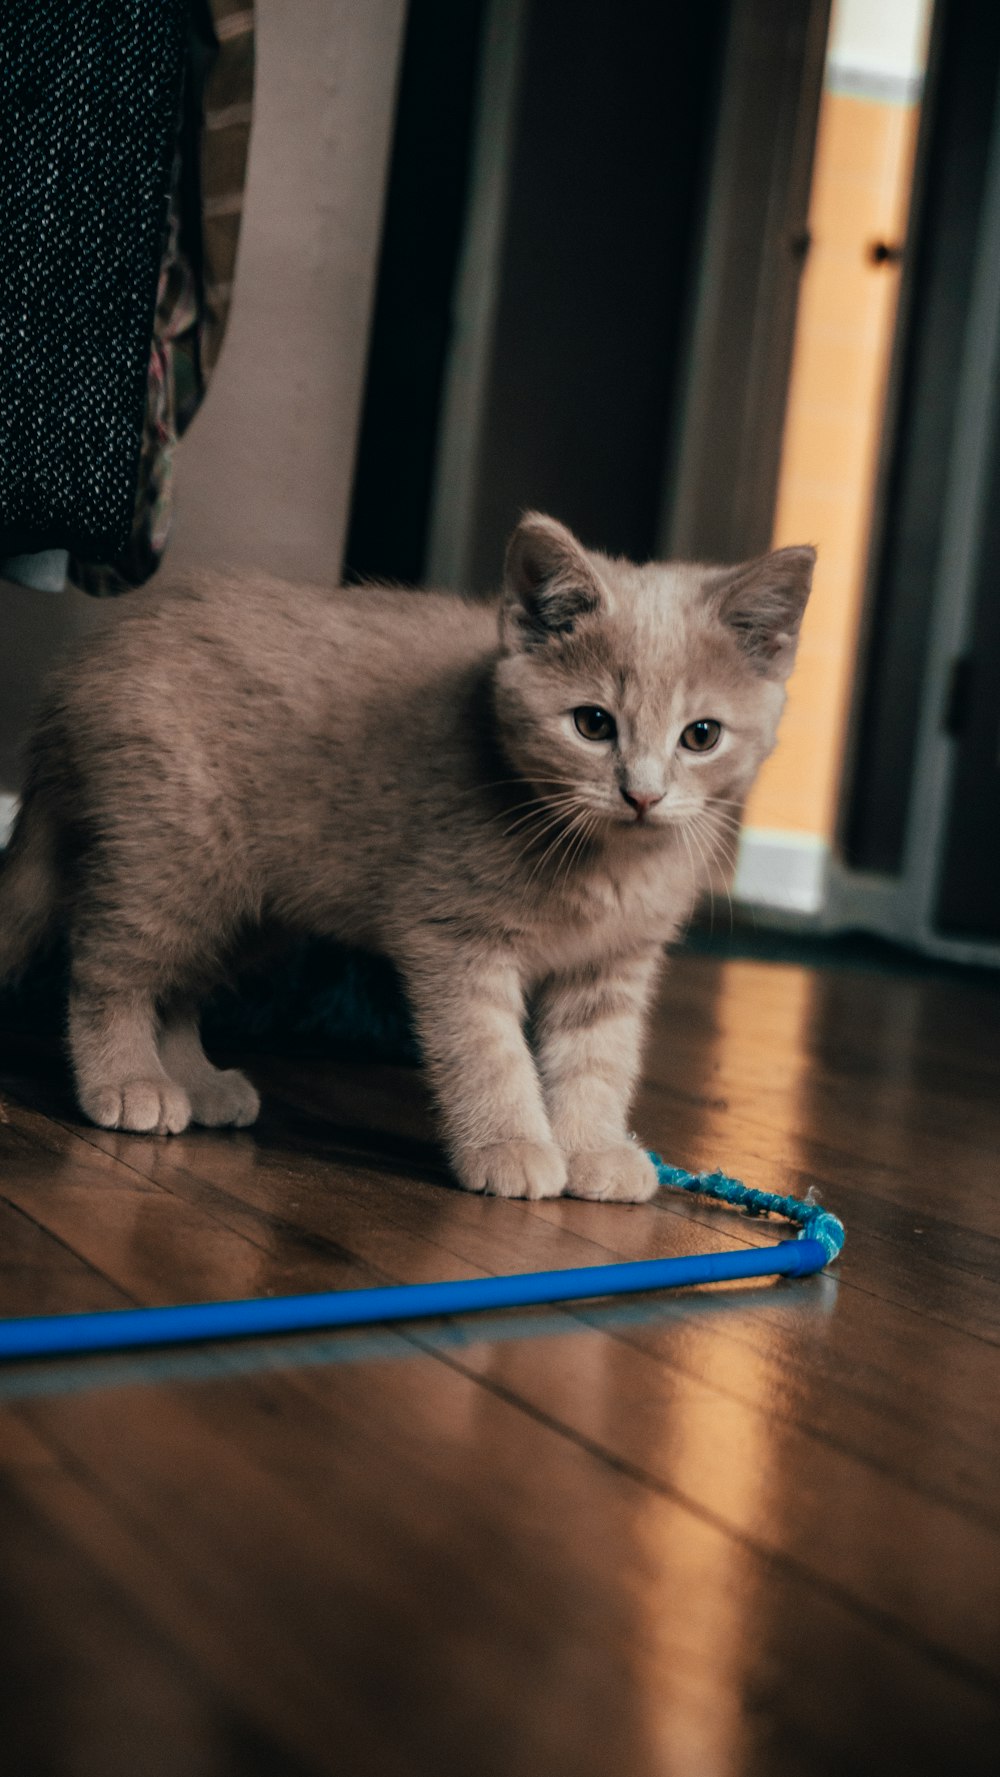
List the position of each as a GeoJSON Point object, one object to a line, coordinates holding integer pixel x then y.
{"type": "Point", "coordinates": [38, 1271]}
{"type": "Point", "coordinates": [897, 1077]}
{"type": "Point", "coordinates": [944, 1436]}
{"type": "Point", "coordinates": [86, 1686]}
{"type": "Point", "coordinates": [478, 1589]}
{"type": "Point", "coordinates": [484, 1247]}
{"type": "Point", "coordinates": [727, 1420]}
{"type": "Point", "coordinates": [633, 1521]}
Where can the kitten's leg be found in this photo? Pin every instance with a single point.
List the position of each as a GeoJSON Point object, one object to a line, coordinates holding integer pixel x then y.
{"type": "Point", "coordinates": [469, 1012]}
{"type": "Point", "coordinates": [121, 1082]}
{"type": "Point", "coordinates": [218, 1097]}
{"type": "Point", "coordinates": [589, 1030]}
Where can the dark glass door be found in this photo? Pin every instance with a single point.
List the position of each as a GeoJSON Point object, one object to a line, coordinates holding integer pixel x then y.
{"type": "Point", "coordinates": [969, 888]}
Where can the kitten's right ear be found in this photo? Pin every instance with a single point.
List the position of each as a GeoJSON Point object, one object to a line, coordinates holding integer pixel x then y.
{"type": "Point", "coordinates": [549, 583]}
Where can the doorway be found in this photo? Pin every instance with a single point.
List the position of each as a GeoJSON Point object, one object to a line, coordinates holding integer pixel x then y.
{"type": "Point", "coordinates": [839, 401]}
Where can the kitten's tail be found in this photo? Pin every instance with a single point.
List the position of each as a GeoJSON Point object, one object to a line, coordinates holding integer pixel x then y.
{"type": "Point", "coordinates": [29, 886]}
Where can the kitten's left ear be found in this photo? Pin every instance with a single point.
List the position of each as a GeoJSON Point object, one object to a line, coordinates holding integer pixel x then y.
{"type": "Point", "coordinates": [549, 583]}
{"type": "Point", "coordinates": [763, 602]}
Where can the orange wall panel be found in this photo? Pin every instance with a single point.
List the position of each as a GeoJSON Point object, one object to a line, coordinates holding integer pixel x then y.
{"type": "Point", "coordinates": [861, 187]}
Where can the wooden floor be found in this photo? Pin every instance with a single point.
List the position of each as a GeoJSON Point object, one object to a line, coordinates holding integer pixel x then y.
{"type": "Point", "coordinates": [750, 1530]}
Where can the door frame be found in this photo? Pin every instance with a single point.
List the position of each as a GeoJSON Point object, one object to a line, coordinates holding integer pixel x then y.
{"type": "Point", "coordinates": [902, 906]}
{"type": "Point", "coordinates": [743, 311]}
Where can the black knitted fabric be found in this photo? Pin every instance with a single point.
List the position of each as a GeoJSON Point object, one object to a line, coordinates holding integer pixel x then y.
{"type": "Point", "coordinates": [89, 104]}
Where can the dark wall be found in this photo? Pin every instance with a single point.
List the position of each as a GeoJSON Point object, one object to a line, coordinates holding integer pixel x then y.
{"type": "Point", "coordinates": [969, 891]}
{"type": "Point", "coordinates": [426, 205]}
{"type": "Point", "coordinates": [614, 116]}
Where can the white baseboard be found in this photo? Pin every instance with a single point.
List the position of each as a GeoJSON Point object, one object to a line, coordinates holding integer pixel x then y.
{"type": "Point", "coordinates": [783, 872]}
{"type": "Point", "coordinates": [888, 906]}
{"type": "Point", "coordinates": [794, 880]}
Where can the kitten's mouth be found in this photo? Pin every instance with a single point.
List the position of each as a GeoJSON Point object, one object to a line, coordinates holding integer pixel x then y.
{"type": "Point", "coordinates": [647, 823]}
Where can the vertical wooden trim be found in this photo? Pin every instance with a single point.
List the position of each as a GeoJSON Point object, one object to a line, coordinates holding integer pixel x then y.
{"type": "Point", "coordinates": [721, 488]}
{"type": "Point", "coordinates": [906, 308]}
{"type": "Point", "coordinates": [463, 417]}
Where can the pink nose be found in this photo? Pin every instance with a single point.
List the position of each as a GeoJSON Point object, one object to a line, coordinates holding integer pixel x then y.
{"type": "Point", "coordinates": [641, 804]}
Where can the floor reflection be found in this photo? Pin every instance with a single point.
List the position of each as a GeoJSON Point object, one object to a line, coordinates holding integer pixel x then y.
{"type": "Point", "coordinates": [747, 1063]}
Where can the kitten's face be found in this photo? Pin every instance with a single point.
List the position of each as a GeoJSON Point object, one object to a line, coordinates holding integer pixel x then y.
{"type": "Point", "coordinates": [643, 696]}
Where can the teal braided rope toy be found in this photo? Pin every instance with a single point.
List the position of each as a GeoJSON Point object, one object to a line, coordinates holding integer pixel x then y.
{"type": "Point", "coordinates": [819, 1240]}
{"type": "Point", "coordinates": [814, 1222]}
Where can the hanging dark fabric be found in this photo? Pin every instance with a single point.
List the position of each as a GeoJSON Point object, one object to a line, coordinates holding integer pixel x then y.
{"type": "Point", "coordinates": [90, 95]}
{"type": "Point", "coordinates": [125, 130]}
{"type": "Point", "coordinates": [196, 276]}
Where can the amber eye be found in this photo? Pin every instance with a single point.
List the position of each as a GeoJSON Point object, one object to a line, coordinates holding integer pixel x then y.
{"type": "Point", "coordinates": [594, 723]}
{"type": "Point", "coordinates": [701, 737]}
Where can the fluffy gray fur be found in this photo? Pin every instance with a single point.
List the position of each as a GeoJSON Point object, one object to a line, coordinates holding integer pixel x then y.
{"type": "Point", "coordinates": [403, 770]}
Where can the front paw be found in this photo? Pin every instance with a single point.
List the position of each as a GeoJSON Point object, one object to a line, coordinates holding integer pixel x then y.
{"type": "Point", "coordinates": [150, 1107]}
{"type": "Point", "coordinates": [228, 1099]}
{"type": "Point", "coordinates": [513, 1169]}
{"type": "Point", "coordinates": [623, 1174]}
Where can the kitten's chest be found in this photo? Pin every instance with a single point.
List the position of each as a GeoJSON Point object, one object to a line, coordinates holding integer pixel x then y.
{"type": "Point", "coordinates": [603, 913]}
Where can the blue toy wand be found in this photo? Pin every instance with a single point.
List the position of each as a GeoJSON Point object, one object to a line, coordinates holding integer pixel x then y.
{"type": "Point", "coordinates": [820, 1239]}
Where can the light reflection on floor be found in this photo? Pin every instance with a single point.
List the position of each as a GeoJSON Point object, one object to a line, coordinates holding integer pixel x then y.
{"type": "Point", "coordinates": [714, 1447]}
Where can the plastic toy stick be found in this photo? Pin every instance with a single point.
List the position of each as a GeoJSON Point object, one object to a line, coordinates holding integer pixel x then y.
{"type": "Point", "coordinates": [119, 1329]}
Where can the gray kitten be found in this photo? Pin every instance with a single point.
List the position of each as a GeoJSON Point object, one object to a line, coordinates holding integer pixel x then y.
{"type": "Point", "coordinates": [519, 802]}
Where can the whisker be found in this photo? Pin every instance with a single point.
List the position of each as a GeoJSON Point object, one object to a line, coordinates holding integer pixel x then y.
{"type": "Point", "coordinates": [526, 783]}
{"type": "Point", "coordinates": [714, 856]}
{"type": "Point", "coordinates": [725, 842]}
{"type": "Point", "coordinates": [696, 805]}
{"type": "Point", "coordinates": [588, 821]}
{"type": "Point", "coordinates": [542, 805]}
{"type": "Point", "coordinates": [690, 858]}
{"type": "Point", "coordinates": [708, 872]}
{"type": "Point", "coordinates": [561, 824]}
{"type": "Point", "coordinates": [552, 849]}
{"type": "Point", "coordinates": [717, 822]}
{"type": "Point", "coordinates": [719, 851]}
{"type": "Point", "coordinates": [709, 831]}
{"type": "Point", "coordinates": [556, 818]}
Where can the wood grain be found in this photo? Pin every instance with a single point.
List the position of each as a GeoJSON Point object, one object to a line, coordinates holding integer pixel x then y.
{"type": "Point", "coordinates": [744, 1530]}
